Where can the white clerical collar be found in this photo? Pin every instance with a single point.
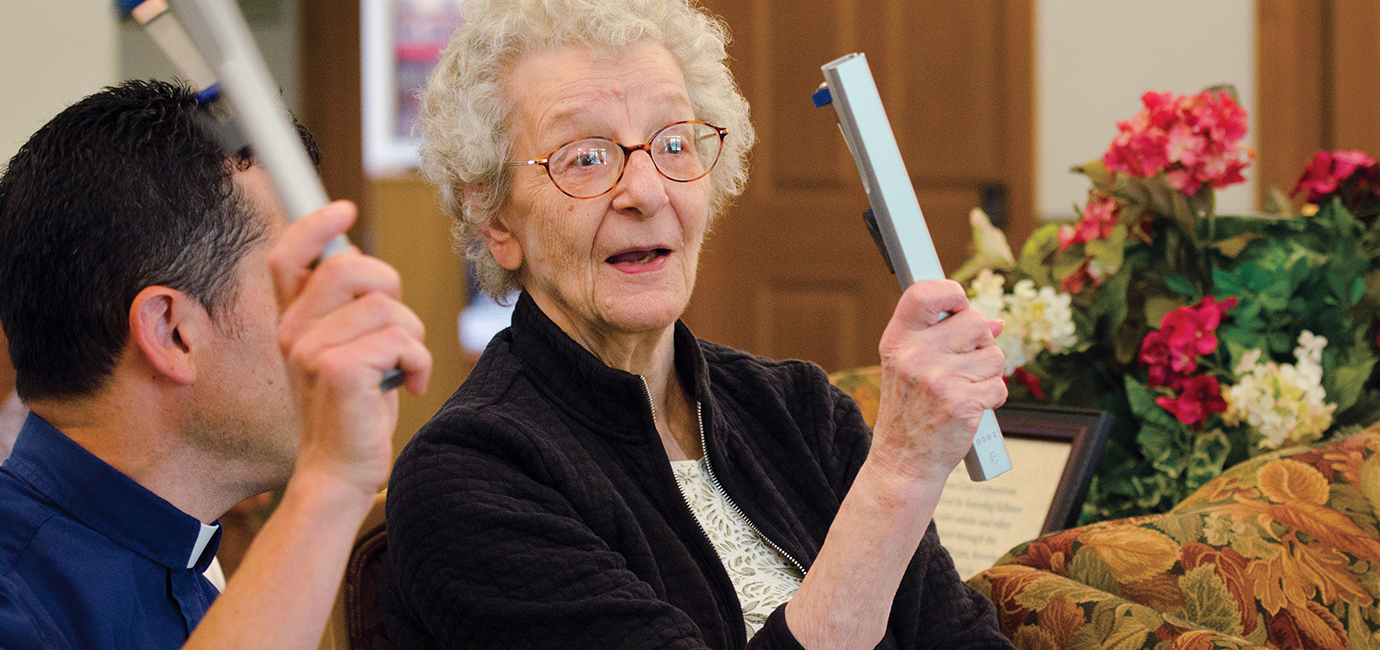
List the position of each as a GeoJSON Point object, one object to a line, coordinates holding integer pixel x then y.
{"type": "Point", "coordinates": [202, 539]}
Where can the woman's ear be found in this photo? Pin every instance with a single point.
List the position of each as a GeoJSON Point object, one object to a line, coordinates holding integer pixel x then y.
{"type": "Point", "coordinates": [164, 328]}
{"type": "Point", "coordinates": [497, 234]}
{"type": "Point", "coordinates": [502, 242]}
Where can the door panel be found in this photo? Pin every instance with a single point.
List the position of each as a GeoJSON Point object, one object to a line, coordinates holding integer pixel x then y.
{"type": "Point", "coordinates": [789, 271]}
{"type": "Point", "coordinates": [1316, 64]}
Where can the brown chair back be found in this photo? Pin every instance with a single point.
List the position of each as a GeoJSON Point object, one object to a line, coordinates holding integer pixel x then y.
{"type": "Point", "coordinates": [356, 621]}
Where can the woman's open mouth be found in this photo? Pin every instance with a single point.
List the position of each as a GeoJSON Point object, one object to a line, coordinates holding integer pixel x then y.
{"type": "Point", "coordinates": [635, 261]}
{"type": "Point", "coordinates": [639, 257]}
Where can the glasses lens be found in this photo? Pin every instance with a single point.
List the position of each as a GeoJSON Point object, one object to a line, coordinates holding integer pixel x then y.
{"type": "Point", "coordinates": [685, 152]}
{"type": "Point", "coordinates": [586, 168]}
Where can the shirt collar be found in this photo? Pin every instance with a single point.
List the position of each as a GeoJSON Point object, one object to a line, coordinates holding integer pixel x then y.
{"type": "Point", "coordinates": [105, 500]}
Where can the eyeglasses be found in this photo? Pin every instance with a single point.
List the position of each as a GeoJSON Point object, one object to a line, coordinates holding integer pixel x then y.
{"type": "Point", "coordinates": [590, 167]}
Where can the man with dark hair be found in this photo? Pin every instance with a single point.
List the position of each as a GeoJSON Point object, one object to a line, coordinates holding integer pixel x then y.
{"type": "Point", "coordinates": [180, 350]}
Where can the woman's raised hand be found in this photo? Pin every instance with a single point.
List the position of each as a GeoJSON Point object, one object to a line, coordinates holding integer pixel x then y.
{"type": "Point", "coordinates": [939, 373]}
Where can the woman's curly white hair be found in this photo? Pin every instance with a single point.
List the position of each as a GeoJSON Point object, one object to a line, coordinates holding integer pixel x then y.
{"type": "Point", "coordinates": [466, 112]}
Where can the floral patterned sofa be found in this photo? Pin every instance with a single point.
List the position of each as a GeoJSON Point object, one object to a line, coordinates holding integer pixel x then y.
{"type": "Point", "coordinates": [1281, 551]}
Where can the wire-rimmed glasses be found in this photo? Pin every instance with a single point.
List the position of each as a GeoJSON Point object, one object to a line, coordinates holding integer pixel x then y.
{"type": "Point", "coordinates": [590, 167]}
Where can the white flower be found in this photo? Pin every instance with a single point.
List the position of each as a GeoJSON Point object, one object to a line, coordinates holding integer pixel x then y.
{"type": "Point", "coordinates": [987, 294]}
{"type": "Point", "coordinates": [1285, 404]}
{"type": "Point", "coordinates": [1036, 320]}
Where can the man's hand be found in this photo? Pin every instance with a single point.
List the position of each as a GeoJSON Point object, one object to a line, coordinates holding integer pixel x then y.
{"type": "Point", "coordinates": [343, 326]}
{"type": "Point", "coordinates": [938, 376]}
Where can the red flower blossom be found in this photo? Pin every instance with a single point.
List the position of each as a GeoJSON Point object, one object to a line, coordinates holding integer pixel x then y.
{"type": "Point", "coordinates": [1185, 334]}
{"type": "Point", "coordinates": [1030, 381]}
{"type": "Point", "coordinates": [1171, 353]}
{"type": "Point", "coordinates": [1329, 171]}
{"type": "Point", "coordinates": [1193, 139]}
{"type": "Point", "coordinates": [1078, 279]}
{"type": "Point", "coordinates": [1099, 217]}
{"type": "Point", "coordinates": [1154, 355]}
{"type": "Point", "coordinates": [1201, 396]}
{"type": "Point", "coordinates": [1191, 332]}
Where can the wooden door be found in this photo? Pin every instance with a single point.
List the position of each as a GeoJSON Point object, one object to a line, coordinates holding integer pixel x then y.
{"type": "Point", "coordinates": [1316, 66]}
{"type": "Point", "coordinates": [790, 271]}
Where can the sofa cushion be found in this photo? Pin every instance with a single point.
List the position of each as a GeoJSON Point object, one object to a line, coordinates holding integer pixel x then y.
{"type": "Point", "coordinates": [1280, 551]}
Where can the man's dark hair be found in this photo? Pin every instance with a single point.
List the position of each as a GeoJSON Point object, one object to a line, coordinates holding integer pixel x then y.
{"type": "Point", "coordinates": [121, 191]}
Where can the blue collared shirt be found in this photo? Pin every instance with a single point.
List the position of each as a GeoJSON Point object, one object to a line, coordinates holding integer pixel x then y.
{"type": "Point", "coordinates": [91, 559]}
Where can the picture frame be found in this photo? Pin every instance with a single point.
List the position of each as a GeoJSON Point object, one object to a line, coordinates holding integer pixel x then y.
{"type": "Point", "coordinates": [1085, 430]}
{"type": "Point", "coordinates": [978, 522]}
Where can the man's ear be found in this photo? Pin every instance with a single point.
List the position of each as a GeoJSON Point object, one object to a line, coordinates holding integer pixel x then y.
{"type": "Point", "coordinates": [502, 242]}
{"type": "Point", "coordinates": [164, 327]}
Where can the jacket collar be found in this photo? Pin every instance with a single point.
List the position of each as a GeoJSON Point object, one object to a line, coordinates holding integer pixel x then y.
{"type": "Point", "coordinates": [607, 399]}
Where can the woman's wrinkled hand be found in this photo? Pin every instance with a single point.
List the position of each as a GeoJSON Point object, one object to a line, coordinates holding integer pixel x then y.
{"type": "Point", "coordinates": [938, 376]}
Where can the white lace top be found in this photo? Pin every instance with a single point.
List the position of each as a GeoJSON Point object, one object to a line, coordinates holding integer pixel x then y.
{"type": "Point", "coordinates": [763, 578]}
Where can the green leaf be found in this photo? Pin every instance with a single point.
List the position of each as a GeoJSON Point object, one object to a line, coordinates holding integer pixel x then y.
{"type": "Point", "coordinates": [1068, 261]}
{"type": "Point", "coordinates": [1344, 382]}
{"type": "Point", "coordinates": [1180, 284]}
{"type": "Point", "coordinates": [1350, 502]}
{"type": "Point", "coordinates": [1156, 492]}
{"type": "Point", "coordinates": [1170, 459]}
{"type": "Point", "coordinates": [1036, 252]}
{"type": "Point", "coordinates": [1208, 602]}
{"type": "Point", "coordinates": [1109, 307]}
{"type": "Point", "coordinates": [1277, 204]}
{"type": "Point", "coordinates": [1245, 317]}
{"type": "Point", "coordinates": [1184, 529]}
{"type": "Point", "coordinates": [1096, 172]}
{"type": "Point", "coordinates": [1144, 406]}
{"type": "Point", "coordinates": [1280, 342]}
{"type": "Point", "coordinates": [1108, 253]}
{"type": "Point", "coordinates": [1234, 283]}
{"type": "Point", "coordinates": [1209, 454]}
{"type": "Point", "coordinates": [1087, 567]}
{"type": "Point", "coordinates": [1157, 306]}
{"type": "Point", "coordinates": [1302, 267]}
{"type": "Point", "coordinates": [1276, 298]}
{"type": "Point", "coordinates": [1233, 246]}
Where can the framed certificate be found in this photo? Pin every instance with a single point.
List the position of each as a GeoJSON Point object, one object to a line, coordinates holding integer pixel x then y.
{"type": "Point", "coordinates": [1054, 452]}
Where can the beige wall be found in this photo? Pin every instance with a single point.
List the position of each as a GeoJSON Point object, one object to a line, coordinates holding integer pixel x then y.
{"type": "Point", "coordinates": [55, 52]}
{"type": "Point", "coordinates": [1094, 60]}
{"type": "Point", "coordinates": [273, 23]}
{"type": "Point", "coordinates": [58, 51]}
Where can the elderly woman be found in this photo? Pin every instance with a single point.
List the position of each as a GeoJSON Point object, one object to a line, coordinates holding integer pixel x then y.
{"type": "Point", "coordinates": [604, 479]}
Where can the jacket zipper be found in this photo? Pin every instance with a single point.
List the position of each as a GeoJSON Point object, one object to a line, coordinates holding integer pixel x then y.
{"type": "Point", "coordinates": [714, 479]}
{"type": "Point", "coordinates": [739, 632]}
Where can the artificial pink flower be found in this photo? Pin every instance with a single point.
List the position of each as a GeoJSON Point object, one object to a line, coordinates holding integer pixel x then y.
{"type": "Point", "coordinates": [1328, 171]}
{"type": "Point", "coordinates": [1193, 139]}
{"type": "Point", "coordinates": [1085, 275]}
{"type": "Point", "coordinates": [1184, 335]}
{"type": "Point", "coordinates": [1154, 355]}
{"type": "Point", "coordinates": [1202, 395]}
{"type": "Point", "coordinates": [1077, 280]}
{"type": "Point", "coordinates": [1099, 217]}
{"type": "Point", "coordinates": [1191, 331]}
{"type": "Point", "coordinates": [1030, 381]}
